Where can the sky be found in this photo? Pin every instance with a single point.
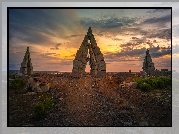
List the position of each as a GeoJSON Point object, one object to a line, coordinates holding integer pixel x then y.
{"type": "Point", "coordinates": [123, 35]}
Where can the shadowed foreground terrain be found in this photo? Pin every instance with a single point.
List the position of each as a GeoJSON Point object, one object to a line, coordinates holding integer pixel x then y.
{"type": "Point", "coordinates": [93, 102]}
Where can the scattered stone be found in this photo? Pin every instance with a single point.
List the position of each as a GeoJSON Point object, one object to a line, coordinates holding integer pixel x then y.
{"type": "Point", "coordinates": [133, 85]}
{"type": "Point", "coordinates": [61, 99]}
{"type": "Point", "coordinates": [37, 84]}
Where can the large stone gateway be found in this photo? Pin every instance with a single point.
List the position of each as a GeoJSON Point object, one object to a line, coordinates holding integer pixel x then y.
{"type": "Point", "coordinates": [89, 51]}
{"type": "Point", "coordinates": [26, 66]}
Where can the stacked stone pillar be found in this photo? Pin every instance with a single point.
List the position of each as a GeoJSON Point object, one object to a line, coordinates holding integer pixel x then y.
{"type": "Point", "coordinates": [148, 65]}
{"type": "Point", "coordinates": [26, 66]}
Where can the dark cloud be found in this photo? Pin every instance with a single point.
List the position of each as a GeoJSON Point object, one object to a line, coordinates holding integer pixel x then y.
{"type": "Point", "coordinates": [164, 63]}
{"type": "Point", "coordinates": [163, 34]}
{"type": "Point", "coordinates": [161, 24]}
{"type": "Point", "coordinates": [136, 54]}
{"type": "Point", "coordinates": [23, 33]}
{"type": "Point", "coordinates": [47, 56]}
{"type": "Point", "coordinates": [134, 42]}
{"type": "Point", "coordinates": [73, 36]}
{"type": "Point", "coordinates": [150, 43]}
{"type": "Point", "coordinates": [30, 24]}
{"type": "Point", "coordinates": [129, 44]}
{"type": "Point", "coordinates": [56, 47]}
{"type": "Point", "coordinates": [49, 53]}
{"type": "Point", "coordinates": [154, 41]}
{"type": "Point", "coordinates": [160, 21]}
{"type": "Point", "coordinates": [161, 53]}
{"type": "Point", "coordinates": [145, 28]}
{"type": "Point", "coordinates": [33, 26]}
{"type": "Point", "coordinates": [158, 10]}
{"type": "Point", "coordinates": [107, 23]}
{"type": "Point", "coordinates": [125, 53]}
{"type": "Point", "coordinates": [134, 38]}
{"type": "Point", "coordinates": [39, 25]}
{"type": "Point", "coordinates": [117, 39]}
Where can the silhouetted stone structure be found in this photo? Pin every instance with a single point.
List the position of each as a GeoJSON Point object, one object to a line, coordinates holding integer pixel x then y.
{"type": "Point", "coordinates": [26, 66]}
{"type": "Point", "coordinates": [148, 65]}
{"type": "Point", "coordinates": [89, 51]}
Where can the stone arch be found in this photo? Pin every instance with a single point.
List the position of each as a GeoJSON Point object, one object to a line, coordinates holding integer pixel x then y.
{"type": "Point", "coordinates": [96, 59]}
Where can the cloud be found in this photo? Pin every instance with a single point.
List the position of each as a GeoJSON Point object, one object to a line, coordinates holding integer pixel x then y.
{"type": "Point", "coordinates": [56, 47]}
{"type": "Point", "coordinates": [45, 28]}
{"type": "Point", "coordinates": [30, 24]}
{"type": "Point", "coordinates": [163, 34]}
{"type": "Point", "coordinates": [49, 53]}
{"type": "Point", "coordinates": [158, 10]}
{"type": "Point", "coordinates": [47, 56]}
{"type": "Point", "coordinates": [107, 23]}
{"type": "Point", "coordinates": [136, 42]}
{"type": "Point", "coordinates": [22, 33]}
{"type": "Point", "coordinates": [134, 38]}
{"type": "Point", "coordinates": [72, 36]}
{"type": "Point", "coordinates": [154, 41]}
{"type": "Point", "coordinates": [40, 25]}
{"type": "Point", "coordinates": [125, 55]}
{"type": "Point", "coordinates": [161, 53]}
{"type": "Point", "coordinates": [159, 21]}
{"type": "Point", "coordinates": [136, 54]}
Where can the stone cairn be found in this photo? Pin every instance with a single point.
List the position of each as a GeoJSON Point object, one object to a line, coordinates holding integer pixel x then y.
{"type": "Point", "coordinates": [26, 66]}
{"type": "Point", "coordinates": [148, 65]}
{"type": "Point", "coordinates": [89, 51]}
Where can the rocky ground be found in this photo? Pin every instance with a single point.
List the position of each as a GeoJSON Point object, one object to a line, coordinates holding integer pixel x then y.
{"type": "Point", "coordinates": [93, 102]}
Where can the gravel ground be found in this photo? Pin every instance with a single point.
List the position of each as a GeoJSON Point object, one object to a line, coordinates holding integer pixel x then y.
{"type": "Point", "coordinates": [101, 102]}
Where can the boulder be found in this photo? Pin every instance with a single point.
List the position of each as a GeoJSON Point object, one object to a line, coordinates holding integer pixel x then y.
{"type": "Point", "coordinates": [38, 84]}
{"type": "Point", "coordinates": [133, 85]}
{"type": "Point", "coordinates": [44, 87]}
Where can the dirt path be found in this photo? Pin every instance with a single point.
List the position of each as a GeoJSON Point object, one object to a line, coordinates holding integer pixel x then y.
{"type": "Point", "coordinates": [93, 102]}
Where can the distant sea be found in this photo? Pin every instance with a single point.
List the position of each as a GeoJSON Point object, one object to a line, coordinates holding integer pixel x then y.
{"type": "Point", "coordinates": [14, 71]}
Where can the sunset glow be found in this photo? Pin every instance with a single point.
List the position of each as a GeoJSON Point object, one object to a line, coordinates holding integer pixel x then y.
{"type": "Point", "coordinates": [123, 35]}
